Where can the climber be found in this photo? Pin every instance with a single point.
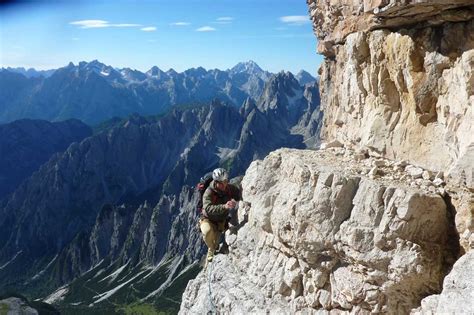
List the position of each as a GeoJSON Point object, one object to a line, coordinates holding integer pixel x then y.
{"type": "Point", "coordinates": [219, 203]}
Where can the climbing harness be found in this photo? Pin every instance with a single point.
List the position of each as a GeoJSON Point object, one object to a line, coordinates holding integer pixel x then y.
{"type": "Point", "coordinates": [213, 309]}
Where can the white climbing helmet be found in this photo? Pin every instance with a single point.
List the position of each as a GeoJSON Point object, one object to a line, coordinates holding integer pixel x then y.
{"type": "Point", "coordinates": [220, 175]}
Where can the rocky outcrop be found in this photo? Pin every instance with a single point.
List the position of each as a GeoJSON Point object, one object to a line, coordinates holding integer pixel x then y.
{"type": "Point", "coordinates": [322, 234]}
{"type": "Point", "coordinates": [333, 21]}
{"type": "Point", "coordinates": [27, 144]}
{"type": "Point", "coordinates": [398, 78]}
{"type": "Point", "coordinates": [16, 306]}
{"type": "Point", "coordinates": [304, 78]}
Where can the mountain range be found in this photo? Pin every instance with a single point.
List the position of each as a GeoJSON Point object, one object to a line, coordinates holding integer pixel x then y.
{"type": "Point", "coordinates": [31, 72]}
{"type": "Point", "coordinates": [117, 210]}
{"type": "Point", "coordinates": [94, 92]}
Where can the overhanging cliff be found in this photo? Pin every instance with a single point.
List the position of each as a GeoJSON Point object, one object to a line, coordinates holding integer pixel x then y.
{"type": "Point", "coordinates": [398, 78]}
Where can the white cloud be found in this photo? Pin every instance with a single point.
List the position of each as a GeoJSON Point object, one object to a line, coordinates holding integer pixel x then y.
{"type": "Point", "coordinates": [90, 23]}
{"type": "Point", "coordinates": [75, 38]}
{"type": "Point", "coordinates": [295, 19]}
{"type": "Point", "coordinates": [205, 29]}
{"type": "Point", "coordinates": [148, 29]}
{"type": "Point", "coordinates": [101, 24]}
{"type": "Point", "coordinates": [180, 24]}
{"type": "Point", "coordinates": [224, 20]}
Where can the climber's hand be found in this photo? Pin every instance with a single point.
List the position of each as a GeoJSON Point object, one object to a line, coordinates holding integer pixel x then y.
{"type": "Point", "coordinates": [230, 204]}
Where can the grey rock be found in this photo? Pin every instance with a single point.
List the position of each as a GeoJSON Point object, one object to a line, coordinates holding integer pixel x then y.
{"type": "Point", "coordinates": [13, 306]}
{"type": "Point", "coordinates": [332, 144]}
{"type": "Point", "coordinates": [380, 163]}
{"type": "Point", "coordinates": [438, 182]}
{"type": "Point", "coordinates": [427, 175]}
{"type": "Point", "coordinates": [373, 172]}
{"type": "Point", "coordinates": [413, 171]}
{"type": "Point", "coordinates": [457, 296]}
{"type": "Point", "coordinates": [304, 78]}
{"type": "Point", "coordinates": [316, 231]}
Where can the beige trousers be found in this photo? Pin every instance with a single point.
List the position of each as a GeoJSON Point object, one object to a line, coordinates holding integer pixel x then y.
{"type": "Point", "coordinates": [211, 234]}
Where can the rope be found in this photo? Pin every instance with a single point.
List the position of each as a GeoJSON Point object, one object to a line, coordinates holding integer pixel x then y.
{"type": "Point", "coordinates": [213, 309]}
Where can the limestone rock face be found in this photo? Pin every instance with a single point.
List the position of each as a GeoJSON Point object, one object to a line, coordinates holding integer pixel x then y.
{"type": "Point", "coordinates": [397, 82]}
{"type": "Point", "coordinates": [399, 79]}
{"type": "Point", "coordinates": [320, 236]}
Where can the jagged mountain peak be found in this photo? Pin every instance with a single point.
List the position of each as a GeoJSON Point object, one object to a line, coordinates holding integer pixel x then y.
{"type": "Point", "coordinates": [199, 71]}
{"type": "Point", "coordinates": [91, 64]}
{"type": "Point", "coordinates": [282, 92]}
{"type": "Point", "coordinates": [97, 67]}
{"type": "Point", "coordinates": [30, 72]}
{"type": "Point", "coordinates": [283, 81]}
{"type": "Point", "coordinates": [155, 71]}
{"type": "Point", "coordinates": [171, 71]}
{"type": "Point", "coordinates": [304, 77]}
{"type": "Point", "coordinates": [132, 74]}
{"type": "Point", "coordinates": [248, 66]}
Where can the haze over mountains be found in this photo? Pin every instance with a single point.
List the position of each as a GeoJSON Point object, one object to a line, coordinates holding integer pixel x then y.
{"type": "Point", "coordinates": [27, 144]}
{"type": "Point", "coordinates": [94, 92]}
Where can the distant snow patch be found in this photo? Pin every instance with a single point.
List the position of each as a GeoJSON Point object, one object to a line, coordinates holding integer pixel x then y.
{"type": "Point", "coordinates": [185, 152]}
{"type": "Point", "coordinates": [225, 153]}
{"type": "Point", "coordinates": [115, 274]}
{"type": "Point", "coordinates": [106, 295]}
{"type": "Point", "coordinates": [173, 268]}
{"type": "Point", "coordinates": [39, 274]}
{"type": "Point", "coordinates": [101, 271]}
{"type": "Point", "coordinates": [186, 269]}
{"type": "Point", "coordinates": [57, 295]}
{"type": "Point", "coordinates": [156, 268]}
{"type": "Point", "coordinates": [104, 73]}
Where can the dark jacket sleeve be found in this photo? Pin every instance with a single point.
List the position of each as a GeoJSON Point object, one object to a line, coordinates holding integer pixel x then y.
{"type": "Point", "coordinates": [214, 212]}
{"type": "Point", "coordinates": [235, 192]}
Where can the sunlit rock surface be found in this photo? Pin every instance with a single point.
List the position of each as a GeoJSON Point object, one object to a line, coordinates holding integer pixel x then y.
{"type": "Point", "coordinates": [323, 235]}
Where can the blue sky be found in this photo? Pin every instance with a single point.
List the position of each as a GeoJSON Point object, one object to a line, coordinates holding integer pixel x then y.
{"type": "Point", "coordinates": [277, 34]}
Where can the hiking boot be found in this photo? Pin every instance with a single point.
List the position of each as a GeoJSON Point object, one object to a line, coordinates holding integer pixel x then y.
{"type": "Point", "coordinates": [224, 248]}
{"type": "Point", "coordinates": [210, 256]}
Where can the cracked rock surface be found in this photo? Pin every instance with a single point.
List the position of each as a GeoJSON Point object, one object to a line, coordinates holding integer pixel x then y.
{"type": "Point", "coordinates": [322, 235]}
